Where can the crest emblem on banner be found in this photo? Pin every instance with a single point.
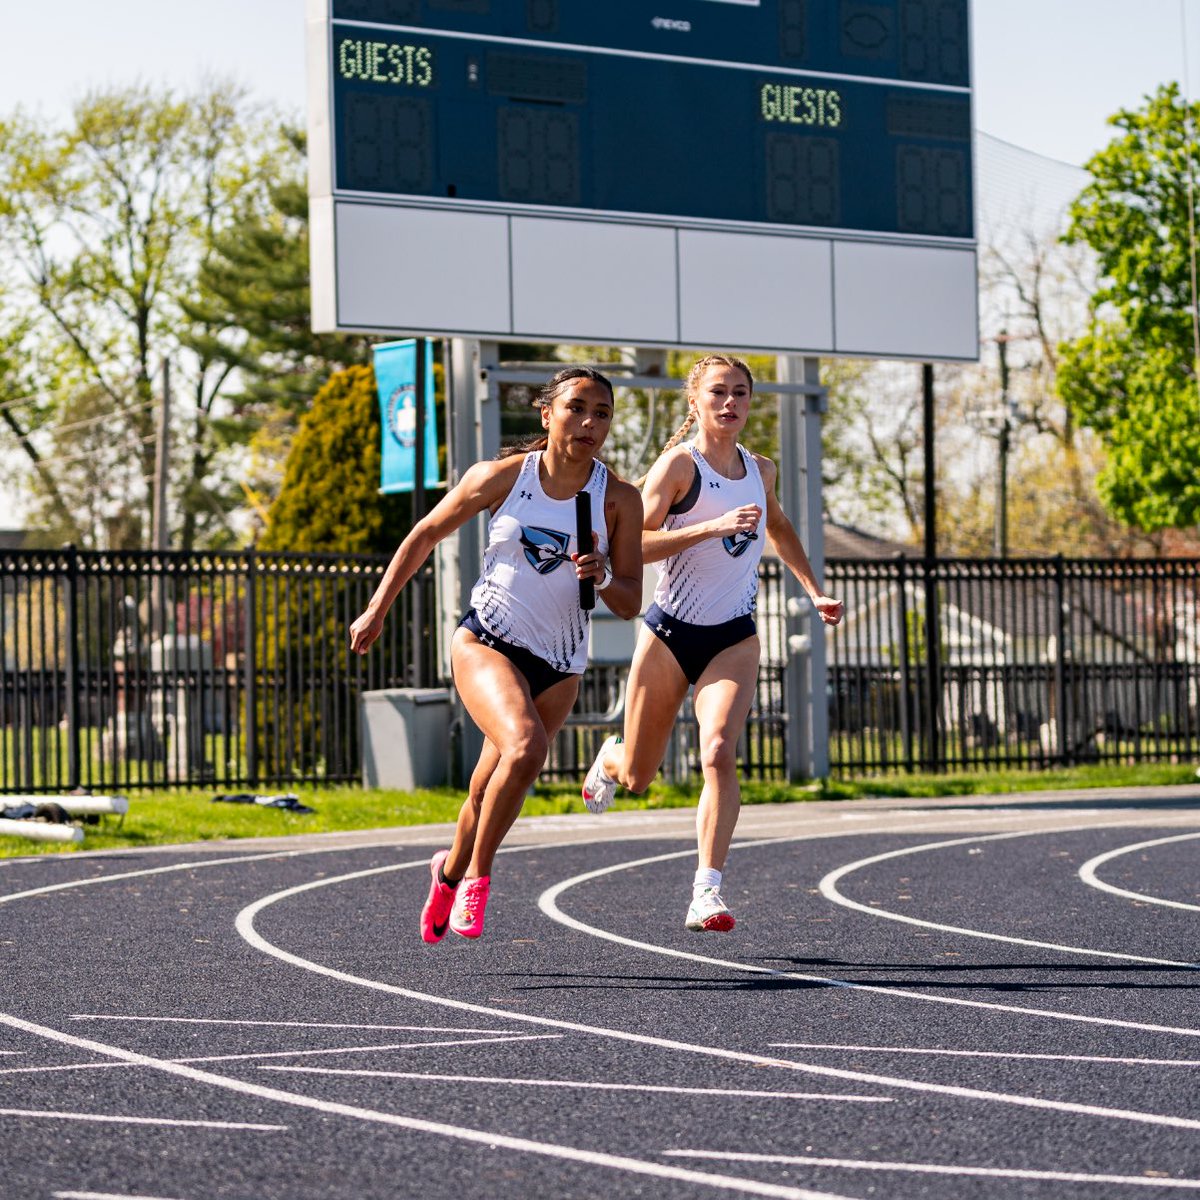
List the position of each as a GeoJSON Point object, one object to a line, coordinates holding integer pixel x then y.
{"type": "Point", "coordinates": [402, 415]}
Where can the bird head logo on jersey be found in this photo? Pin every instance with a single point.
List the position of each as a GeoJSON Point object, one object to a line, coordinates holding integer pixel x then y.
{"type": "Point", "coordinates": [738, 543]}
{"type": "Point", "coordinates": [544, 548]}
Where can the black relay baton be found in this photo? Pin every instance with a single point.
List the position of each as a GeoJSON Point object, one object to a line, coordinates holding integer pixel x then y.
{"type": "Point", "coordinates": [583, 539]}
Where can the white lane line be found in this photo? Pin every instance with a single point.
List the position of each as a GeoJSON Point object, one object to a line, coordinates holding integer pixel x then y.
{"type": "Point", "coordinates": [245, 926]}
{"type": "Point", "coordinates": [46, 889]}
{"type": "Point", "coordinates": [276, 1024]}
{"type": "Point", "coordinates": [829, 889]}
{"type": "Point", "coordinates": [1088, 872]}
{"type": "Point", "coordinates": [211, 1058]}
{"type": "Point", "coordinates": [856, 1164]}
{"type": "Point", "coordinates": [479, 1137]}
{"type": "Point", "coordinates": [576, 1083]}
{"type": "Point", "coordinates": [548, 903]}
{"type": "Point", "coordinates": [509, 1037]}
{"type": "Point", "coordinates": [1079, 1058]}
{"type": "Point", "coordinates": [112, 1119]}
{"type": "Point", "coordinates": [101, 1196]}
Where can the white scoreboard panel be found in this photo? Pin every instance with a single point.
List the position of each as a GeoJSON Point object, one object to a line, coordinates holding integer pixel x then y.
{"type": "Point", "coordinates": [479, 169]}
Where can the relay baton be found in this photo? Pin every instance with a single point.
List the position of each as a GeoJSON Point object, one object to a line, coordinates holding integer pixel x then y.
{"type": "Point", "coordinates": [583, 539]}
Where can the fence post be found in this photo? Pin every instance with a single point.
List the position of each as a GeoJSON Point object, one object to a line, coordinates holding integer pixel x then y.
{"type": "Point", "coordinates": [1060, 642]}
{"type": "Point", "coordinates": [933, 672]}
{"type": "Point", "coordinates": [72, 667]}
{"type": "Point", "coordinates": [905, 680]}
{"type": "Point", "coordinates": [250, 668]}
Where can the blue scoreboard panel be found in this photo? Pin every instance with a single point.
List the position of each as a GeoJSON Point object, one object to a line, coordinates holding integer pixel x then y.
{"type": "Point", "coordinates": [821, 114]}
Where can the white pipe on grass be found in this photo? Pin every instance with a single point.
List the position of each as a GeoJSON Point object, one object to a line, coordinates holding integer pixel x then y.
{"type": "Point", "coordinates": [39, 831]}
{"type": "Point", "coordinates": [81, 806]}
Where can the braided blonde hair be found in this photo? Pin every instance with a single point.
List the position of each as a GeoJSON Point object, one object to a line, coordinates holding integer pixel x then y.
{"type": "Point", "coordinates": [690, 388]}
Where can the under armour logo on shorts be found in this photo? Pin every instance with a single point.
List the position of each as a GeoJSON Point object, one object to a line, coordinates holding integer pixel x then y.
{"type": "Point", "coordinates": [663, 630]}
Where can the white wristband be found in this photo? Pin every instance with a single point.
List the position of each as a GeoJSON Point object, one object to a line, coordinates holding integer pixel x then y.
{"type": "Point", "coordinates": [606, 578]}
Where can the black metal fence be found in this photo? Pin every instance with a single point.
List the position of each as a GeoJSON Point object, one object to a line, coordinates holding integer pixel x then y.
{"type": "Point", "coordinates": [140, 669]}
{"type": "Point", "coordinates": [143, 669]}
{"type": "Point", "coordinates": [1034, 663]}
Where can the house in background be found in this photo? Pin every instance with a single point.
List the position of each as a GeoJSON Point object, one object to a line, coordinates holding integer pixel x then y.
{"type": "Point", "coordinates": [1067, 656]}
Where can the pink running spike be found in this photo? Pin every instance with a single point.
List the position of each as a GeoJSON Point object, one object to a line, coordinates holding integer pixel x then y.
{"type": "Point", "coordinates": [435, 916]}
{"type": "Point", "coordinates": [467, 916]}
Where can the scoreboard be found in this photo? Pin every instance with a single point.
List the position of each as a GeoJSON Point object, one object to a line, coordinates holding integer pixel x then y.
{"type": "Point", "coordinates": [477, 150]}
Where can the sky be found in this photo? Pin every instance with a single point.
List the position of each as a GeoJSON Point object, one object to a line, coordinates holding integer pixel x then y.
{"type": "Point", "coordinates": [1047, 73]}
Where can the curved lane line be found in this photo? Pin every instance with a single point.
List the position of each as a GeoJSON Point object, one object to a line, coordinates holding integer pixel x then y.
{"type": "Point", "coordinates": [1088, 872]}
{"type": "Point", "coordinates": [858, 1164]}
{"type": "Point", "coordinates": [479, 1137]}
{"type": "Point", "coordinates": [46, 889]}
{"type": "Point", "coordinates": [548, 902]}
{"type": "Point", "coordinates": [245, 926]}
{"type": "Point", "coordinates": [829, 889]}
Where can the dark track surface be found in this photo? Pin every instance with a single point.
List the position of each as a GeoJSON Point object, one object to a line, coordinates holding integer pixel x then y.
{"type": "Point", "coordinates": [319, 1049]}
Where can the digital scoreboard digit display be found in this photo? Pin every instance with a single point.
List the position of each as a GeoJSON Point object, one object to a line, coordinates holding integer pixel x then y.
{"type": "Point", "coordinates": [805, 113]}
{"type": "Point", "coordinates": [464, 153]}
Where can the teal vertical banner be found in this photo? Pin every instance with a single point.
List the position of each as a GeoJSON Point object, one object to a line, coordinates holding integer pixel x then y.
{"type": "Point", "coordinates": [396, 382]}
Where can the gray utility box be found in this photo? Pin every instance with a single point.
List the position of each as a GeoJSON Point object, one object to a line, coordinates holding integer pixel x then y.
{"type": "Point", "coordinates": [405, 735]}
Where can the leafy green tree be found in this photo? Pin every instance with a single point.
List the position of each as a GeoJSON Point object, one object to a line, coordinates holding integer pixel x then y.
{"type": "Point", "coordinates": [1132, 377]}
{"type": "Point", "coordinates": [330, 497]}
{"type": "Point", "coordinates": [103, 225]}
{"type": "Point", "coordinates": [253, 302]}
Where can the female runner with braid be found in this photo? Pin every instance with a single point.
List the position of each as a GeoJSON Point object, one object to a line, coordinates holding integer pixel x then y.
{"type": "Point", "coordinates": [518, 654]}
{"type": "Point", "coordinates": [706, 503]}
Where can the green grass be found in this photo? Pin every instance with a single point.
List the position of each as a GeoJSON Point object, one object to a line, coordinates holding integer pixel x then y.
{"type": "Point", "coordinates": [167, 818]}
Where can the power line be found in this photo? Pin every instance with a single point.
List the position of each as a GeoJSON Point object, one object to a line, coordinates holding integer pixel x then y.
{"type": "Point", "coordinates": [73, 425]}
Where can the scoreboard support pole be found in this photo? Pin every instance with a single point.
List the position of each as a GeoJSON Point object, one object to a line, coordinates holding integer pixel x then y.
{"type": "Point", "coordinates": [805, 675]}
{"type": "Point", "coordinates": [473, 397]}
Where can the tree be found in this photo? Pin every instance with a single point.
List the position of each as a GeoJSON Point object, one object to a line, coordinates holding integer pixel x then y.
{"type": "Point", "coordinates": [252, 311]}
{"type": "Point", "coordinates": [1132, 378]}
{"type": "Point", "coordinates": [330, 497]}
{"type": "Point", "coordinates": [872, 445]}
{"type": "Point", "coordinates": [104, 225]}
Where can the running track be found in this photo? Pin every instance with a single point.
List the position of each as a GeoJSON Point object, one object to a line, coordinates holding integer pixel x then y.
{"type": "Point", "coordinates": [952, 999]}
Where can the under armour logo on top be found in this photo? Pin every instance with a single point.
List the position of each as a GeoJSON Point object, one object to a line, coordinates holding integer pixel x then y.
{"type": "Point", "coordinates": [526, 495]}
{"type": "Point", "coordinates": [712, 483]}
{"type": "Point", "coordinates": [660, 628]}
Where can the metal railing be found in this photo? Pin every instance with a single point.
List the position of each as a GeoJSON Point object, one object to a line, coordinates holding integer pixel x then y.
{"type": "Point", "coordinates": [1033, 663]}
{"type": "Point", "coordinates": [135, 669]}
{"type": "Point", "coordinates": [144, 669]}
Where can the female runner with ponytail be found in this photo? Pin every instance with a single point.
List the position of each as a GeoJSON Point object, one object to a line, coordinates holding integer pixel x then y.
{"type": "Point", "coordinates": [518, 653]}
{"type": "Point", "coordinates": [706, 503]}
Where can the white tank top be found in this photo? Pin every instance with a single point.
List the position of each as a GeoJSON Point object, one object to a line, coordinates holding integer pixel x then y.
{"type": "Point", "coordinates": [716, 579]}
{"type": "Point", "coordinates": [527, 592]}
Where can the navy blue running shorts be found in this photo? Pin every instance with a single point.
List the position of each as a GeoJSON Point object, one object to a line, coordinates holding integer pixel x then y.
{"type": "Point", "coordinates": [695, 646]}
{"type": "Point", "coordinates": [539, 674]}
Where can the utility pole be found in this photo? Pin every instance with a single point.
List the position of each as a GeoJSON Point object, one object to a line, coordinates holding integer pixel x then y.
{"type": "Point", "coordinates": [1002, 443]}
{"type": "Point", "coordinates": [933, 676]}
{"type": "Point", "coordinates": [162, 454]}
{"type": "Point", "coordinates": [927, 450]}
